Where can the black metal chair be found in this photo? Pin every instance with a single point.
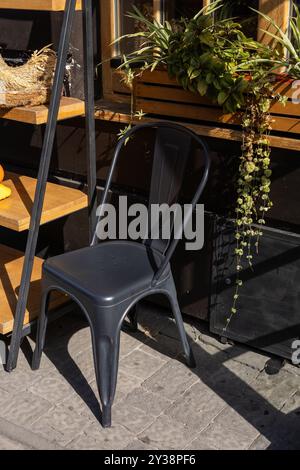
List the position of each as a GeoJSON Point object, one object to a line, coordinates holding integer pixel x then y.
{"type": "Point", "coordinates": [107, 279]}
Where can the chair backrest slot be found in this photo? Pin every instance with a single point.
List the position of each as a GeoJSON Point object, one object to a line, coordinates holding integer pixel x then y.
{"type": "Point", "coordinates": [171, 150]}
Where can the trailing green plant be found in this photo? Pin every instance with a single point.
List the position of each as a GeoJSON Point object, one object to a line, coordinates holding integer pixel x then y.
{"type": "Point", "coordinates": [213, 57]}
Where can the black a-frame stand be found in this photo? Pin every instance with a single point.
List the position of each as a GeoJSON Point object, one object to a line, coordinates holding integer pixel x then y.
{"type": "Point", "coordinates": [18, 329]}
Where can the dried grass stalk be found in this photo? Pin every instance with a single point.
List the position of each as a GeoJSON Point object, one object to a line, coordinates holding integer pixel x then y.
{"type": "Point", "coordinates": [28, 84]}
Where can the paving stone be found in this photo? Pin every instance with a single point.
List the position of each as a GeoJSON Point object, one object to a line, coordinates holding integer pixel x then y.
{"type": "Point", "coordinates": [80, 368]}
{"type": "Point", "coordinates": [60, 425]}
{"type": "Point", "coordinates": [25, 357]}
{"type": "Point", "coordinates": [86, 403]}
{"type": "Point", "coordinates": [134, 419]}
{"type": "Point", "coordinates": [212, 340]}
{"type": "Point", "coordinates": [138, 445]}
{"type": "Point", "coordinates": [160, 403]}
{"type": "Point", "coordinates": [8, 444]}
{"type": "Point", "coordinates": [163, 347]}
{"type": "Point", "coordinates": [284, 433]}
{"type": "Point", "coordinates": [238, 353]}
{"type": "Point", "coordinates": [87, 406]}
{"type": "Point", "coordinates": [292, 405]}
{"type": "Point", "coordinates": [261, 443]}
{"type": "Point", "coordinates": [23, 408]}
{"type": "Point", "coordinates": [289, 443]}
{"type": "Point", "coordinates": [197, 407]}
{"type": "Point", "coordinates": [229, 431]}
{"type": "Point", "coordinates": [19, 379]}
{"type": "Point", "coordinates": [278, 388]}
{"type": "Point", "coordinates": [131, 342]}
{"type": "Point", "coordinates": [150, 403]}
{"type": "Point", "coordinates": [80, 341]}
{"type": "Point", "coordinates": [167, 434]}
{"type": "Point", "coordinates": [172, 380]}
{"type": "Point", "coordinates": [4, 395]}
{"type": "Point", "coordinates": [200, 444]}
{"type": "Point", "coordinates": [207, 366]}
{"type": "Point", "coordinates": [54, 388]}
{"type": "Point", "coordinates": [251, 359]}
{"type": "Point", "coordinates": [126, 384]}
{"type": "Point", "coordinates": [94, 437]}
{"type": "Point", "coordinates": [232, 380]}
{"type": "Point", "coordinates": [151, 318]}
{"type": "Point", "coordinates": [257, 411]}
{"type": "Point", "coordinates": [140, 364]}
{"type": "Point", "coordinates": [292, 369]}
{"type": "Point", "coordinates": [67, 338]}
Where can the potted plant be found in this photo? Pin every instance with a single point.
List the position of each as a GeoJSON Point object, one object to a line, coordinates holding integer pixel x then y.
{"type": "Point", "coordinates": [205, 68]}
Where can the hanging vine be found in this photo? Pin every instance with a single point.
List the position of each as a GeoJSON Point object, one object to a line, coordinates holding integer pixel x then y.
{"type": "Point", "coordinates": [214, 58]}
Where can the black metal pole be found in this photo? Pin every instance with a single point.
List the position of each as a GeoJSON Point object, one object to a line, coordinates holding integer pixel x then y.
{"type": "Point", "coordinates": [90, 112]}
{"type": "Point", "coordinates": [41, 184]}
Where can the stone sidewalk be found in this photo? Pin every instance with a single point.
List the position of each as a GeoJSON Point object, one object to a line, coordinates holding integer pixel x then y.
{"type": "Point", "coordinates": [228, 402]}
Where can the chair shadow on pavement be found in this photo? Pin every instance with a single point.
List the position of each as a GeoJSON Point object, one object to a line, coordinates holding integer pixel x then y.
{"type": "Point", "coordinates": [273, 425]}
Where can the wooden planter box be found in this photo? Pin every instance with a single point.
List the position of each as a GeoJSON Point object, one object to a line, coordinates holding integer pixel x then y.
{"type": "Point", "coordinates": [156, 93]}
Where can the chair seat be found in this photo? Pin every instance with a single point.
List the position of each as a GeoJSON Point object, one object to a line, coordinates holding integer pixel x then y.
{"type": "Point", "coordinates": [107, 273]}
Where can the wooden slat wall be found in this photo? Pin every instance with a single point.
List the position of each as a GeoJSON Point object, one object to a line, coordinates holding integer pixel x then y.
{"type": "Point", "coordinates": [279, 10]}
{"type": "Point", "coordinates": [155, 93]}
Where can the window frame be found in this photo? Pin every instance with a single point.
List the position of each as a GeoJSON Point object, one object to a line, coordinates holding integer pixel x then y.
{"type": "Point", "coordinates": [112, 86]}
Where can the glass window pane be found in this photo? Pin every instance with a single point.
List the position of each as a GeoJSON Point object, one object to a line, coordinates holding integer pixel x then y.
{"type": "Point", "coordinates": [176, 9]}
{"type": "Point", "coordinates": [239, 9]}
{"type": "Point", "coordinates": [125, 25]}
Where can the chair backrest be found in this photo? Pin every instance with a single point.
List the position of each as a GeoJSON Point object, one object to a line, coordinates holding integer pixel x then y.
{"type": "Point", "coordinates": [172, 148]}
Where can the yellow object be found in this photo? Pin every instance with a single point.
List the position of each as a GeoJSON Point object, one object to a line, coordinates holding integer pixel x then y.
{"type": "Point", "coordinates": [4, 192]}
{"type": "Point", "coordinates": [1, 174]}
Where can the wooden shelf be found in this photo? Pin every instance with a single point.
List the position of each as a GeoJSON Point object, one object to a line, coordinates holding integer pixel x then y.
{"type": "Point", "coordinates": [44, 5]}
{"type": "Point", "coordinates": [59, 201]}
{"type": "Point", "coordinates": [69, 108]}
{"type": "Point", "coordinates": [11, 265]}
{"type": "Point", "coordinates": [120, 113]}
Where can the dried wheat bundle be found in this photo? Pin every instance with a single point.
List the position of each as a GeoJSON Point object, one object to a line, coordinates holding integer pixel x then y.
{"type": "Point", "coordinates": [28, 84]}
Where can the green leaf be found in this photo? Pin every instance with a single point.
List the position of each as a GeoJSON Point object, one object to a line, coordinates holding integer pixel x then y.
{"type": "Point", "coordinates": [222, 97]}
{"type": "Point", "coordinates": [195, 74]}
{"type": "Point", "coordinates": [202, 87]}
{"type": "Point", "coordinates": [209, 78]}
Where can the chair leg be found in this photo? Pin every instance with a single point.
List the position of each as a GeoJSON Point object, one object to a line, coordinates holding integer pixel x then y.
{"type": "Point", "coordinates": [133, 319]}
{"type": "Point", "coordinates": [188, 352]}
{"type": "Point", "coordinates": [106, 347]}
{"type": "Point", "coordinates": [41, 332]}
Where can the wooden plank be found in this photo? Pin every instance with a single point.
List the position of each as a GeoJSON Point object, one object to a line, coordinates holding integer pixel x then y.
{"type": "Point", "coordinates": [289, 109]}
{"type": "Point", "coordinates": [11, 265]}
{"type": "Point", "coordinates": [181, 110]}
{"type": "Point", "coordinates": [69, 108]}
{"type": "Point", "coordinates": [159, 77]}
{"type": "Point", "coordinates": [286, 88]}
{"type": "Point", "coordinates": [170, 94]}
{"type": "Point", "coordinates": [115, 113]}
{"type": "Point", "coordinates": [279, 11]}
{"type": "Point", "coordinates": [179, 95]}
{"type": "Point", "coordinates": [286, 124]}
{"type": "Point", "coordinates": [43, 5]}
{"type": "Point", "coordinates": [59, 201]}
{"type": "Point", "coordinates": [280, 123]}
